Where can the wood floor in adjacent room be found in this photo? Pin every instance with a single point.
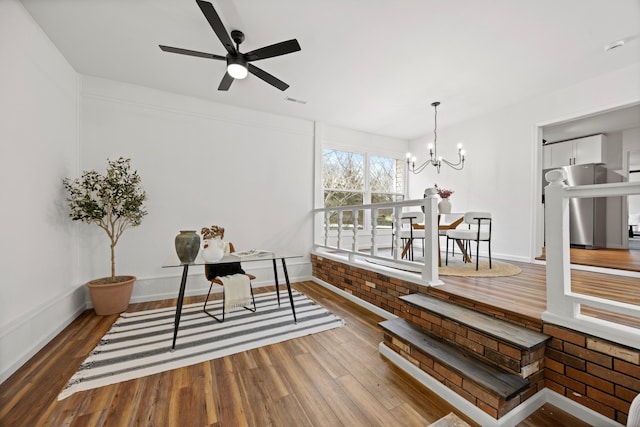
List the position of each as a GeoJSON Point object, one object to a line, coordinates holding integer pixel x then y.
{"type": "Point", "coordinates": [332, 378]}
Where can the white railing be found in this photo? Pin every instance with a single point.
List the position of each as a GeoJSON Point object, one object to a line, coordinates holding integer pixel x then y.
{"type": "Point", "coordinates": [366, 239]}
{"type": "Point", "coordinates": [563, 304]}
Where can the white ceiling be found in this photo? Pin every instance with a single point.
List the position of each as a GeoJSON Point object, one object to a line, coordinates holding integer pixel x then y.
{"type": "Point", "coordinates": [370, 65]}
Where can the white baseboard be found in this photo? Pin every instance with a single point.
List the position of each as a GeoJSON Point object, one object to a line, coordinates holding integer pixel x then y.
{"type": "Point", "coordinates": [579, 411]}
{"type": "Point", "coordinates": [23, 337]}
{"type": "Point", "coordinates": [373, 308]}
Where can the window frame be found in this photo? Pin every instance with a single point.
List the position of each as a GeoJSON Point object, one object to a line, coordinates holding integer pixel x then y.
{"type": "Point", "coordinates": [367, 192]}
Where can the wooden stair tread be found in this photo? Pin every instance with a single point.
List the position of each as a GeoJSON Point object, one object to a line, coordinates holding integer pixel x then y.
{"type": "Point", "coordinates": [518, 336]}
{"type": "Point", "coordinates": [502, 384]}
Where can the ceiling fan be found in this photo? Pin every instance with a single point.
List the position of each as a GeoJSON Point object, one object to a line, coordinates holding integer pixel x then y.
{"type": "Point", "coordinates": [238, 64]}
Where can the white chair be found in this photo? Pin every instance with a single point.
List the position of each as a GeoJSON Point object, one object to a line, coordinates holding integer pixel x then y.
{"type": "Point", "coordinates": [479, 230]}
{"type": "Point", "coordinates": [445, 220]}
{"type": "Point", "coordinates": [213, 272]}
{"type": "Point", "coordinates": [408, 233]}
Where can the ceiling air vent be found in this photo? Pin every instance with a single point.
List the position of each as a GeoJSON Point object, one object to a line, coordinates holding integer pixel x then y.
{"type": "Point", "coordinates": [298, 101]}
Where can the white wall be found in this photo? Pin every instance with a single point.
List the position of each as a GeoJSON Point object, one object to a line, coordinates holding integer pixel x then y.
{"type": "Point", "coordinates": [201, 164]}
{"type": "Point", "coordinates": [502, 172]}
{"type": "Point", "coordinates": [39, 291]}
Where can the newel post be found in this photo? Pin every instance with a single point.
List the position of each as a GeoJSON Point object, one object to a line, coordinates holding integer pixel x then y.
{"type": "Point", "coordinates": [430, 269]}
{"type": "Point", "coordinates": [557, 253]}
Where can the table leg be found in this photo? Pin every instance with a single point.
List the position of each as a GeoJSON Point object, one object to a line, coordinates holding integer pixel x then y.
{"type": "Point", "coordinates": [275, 274]}
{"type": "Point", "coordinates": [286, 277]}
{"type": "Point", "coordinates": [407, 246]}
{"type": "Point", "coordinates": [176, 322]}
{"type": "Point", "coordinates": [464, 253]}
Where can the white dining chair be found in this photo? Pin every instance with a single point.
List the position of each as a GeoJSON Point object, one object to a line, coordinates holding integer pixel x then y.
{"type": "Point", "coordinates": [408, 233]}
{"type": "Point", "coordinates": [479, 230]}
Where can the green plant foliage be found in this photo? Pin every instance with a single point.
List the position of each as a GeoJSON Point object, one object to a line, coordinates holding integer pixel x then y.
{"type": "Point", "coordinates": [114, 201]}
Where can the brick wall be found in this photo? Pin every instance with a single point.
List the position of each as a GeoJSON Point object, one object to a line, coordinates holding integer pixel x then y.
{"type": "Point", "coordinates": [375, 288]}
{"type": "Point", "coordinates": [596, 373]}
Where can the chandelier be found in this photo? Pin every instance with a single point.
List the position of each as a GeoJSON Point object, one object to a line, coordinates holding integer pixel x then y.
{"type": "Point", "coordinates": [434, 159]}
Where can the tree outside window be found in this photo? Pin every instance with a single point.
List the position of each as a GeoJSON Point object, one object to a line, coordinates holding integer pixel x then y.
{"type": "Point", "coordinates": [351, 179]}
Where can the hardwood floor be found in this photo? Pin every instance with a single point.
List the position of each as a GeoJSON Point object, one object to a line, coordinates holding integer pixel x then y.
{"type": "Point", "coordinates": [335, 377]}
{"type": "Point", "coordinates": [526, 294]}
{"type": "Point", "coordinates": [619, 259]}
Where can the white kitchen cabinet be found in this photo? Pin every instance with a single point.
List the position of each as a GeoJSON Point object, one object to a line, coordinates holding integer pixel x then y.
{"type": "Point", "coordinates": [590, 149]}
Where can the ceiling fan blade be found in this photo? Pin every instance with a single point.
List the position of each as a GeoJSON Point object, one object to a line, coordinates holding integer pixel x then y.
{"type": "Point", "coordinates": [191, 52]}
{"type": "Point", "coordinates": [216, 23]}
{"type": "Point", "coordinates": [226, 81]}
{"type": "Point", "coordinates": [277, 49]}
{"type": "Point", "coordinates": [267, 77]}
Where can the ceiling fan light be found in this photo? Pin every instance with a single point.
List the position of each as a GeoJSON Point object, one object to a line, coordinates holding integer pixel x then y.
{"type": "Point", "coordinates": [237, 71]}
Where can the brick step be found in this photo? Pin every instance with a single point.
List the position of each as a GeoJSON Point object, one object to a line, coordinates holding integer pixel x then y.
{"type": "Point", "coordinates": [498, 383]}
{"type": "Point", "coordinates": [518, 336]}
{"type": "Point", "coordinates": [510, 347]}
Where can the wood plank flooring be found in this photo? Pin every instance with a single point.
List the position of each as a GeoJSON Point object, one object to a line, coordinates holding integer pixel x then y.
{"type": "Point", "coordinates": [332, 378]}
{"type": "Point", "coordinates": [620, 259]}
{"type": "Point", "coordinates": [525, 294]}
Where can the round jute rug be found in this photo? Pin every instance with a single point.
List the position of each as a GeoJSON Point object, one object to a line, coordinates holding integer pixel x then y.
{"type": "Point", "coordinates": [498, 269]}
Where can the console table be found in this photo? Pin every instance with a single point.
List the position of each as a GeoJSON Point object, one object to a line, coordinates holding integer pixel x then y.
{"type": "Point", "coordinates": [247, 257]}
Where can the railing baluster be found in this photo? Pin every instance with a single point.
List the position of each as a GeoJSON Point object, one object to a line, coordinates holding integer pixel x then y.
{"type": "Point", "coordinates": [327, 225]}
{"type": "Point", "coordinates": [397, 225]}
{"type": "Point", "coordinates": [339, 243]}
{"type": "Point", "coordinates": [374, 231]}
{"type": "Point", "coordinates": [354, 244]}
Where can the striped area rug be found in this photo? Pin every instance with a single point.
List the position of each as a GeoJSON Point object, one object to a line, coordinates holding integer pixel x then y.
{"type": "Point", "coordinates": [139, 344]}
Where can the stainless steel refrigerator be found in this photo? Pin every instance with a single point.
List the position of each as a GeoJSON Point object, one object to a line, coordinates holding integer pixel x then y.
{"type": "Point", "coordinates": [587, 216]}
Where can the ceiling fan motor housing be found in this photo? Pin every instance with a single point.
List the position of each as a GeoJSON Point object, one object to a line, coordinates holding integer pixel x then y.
{"type": "Point", "coordinates": [237, 36]}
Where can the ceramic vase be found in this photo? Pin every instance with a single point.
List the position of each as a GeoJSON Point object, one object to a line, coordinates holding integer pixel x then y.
{"type": "Point", "coordinates": [187, 246]}
{"type": "Point", "coordinates": [213, 249]}
{"type": "Point", "coordinates": [444, 207]}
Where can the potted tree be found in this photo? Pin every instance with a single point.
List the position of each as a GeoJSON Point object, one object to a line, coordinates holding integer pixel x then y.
{"type": "Point", "coordinates": [114, 202]}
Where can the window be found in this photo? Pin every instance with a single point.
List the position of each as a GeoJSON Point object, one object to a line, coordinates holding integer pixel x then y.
{"type": "Point", "coordinates": [350, 178]}
{"type": "Point", "coordinates": [387, 185]}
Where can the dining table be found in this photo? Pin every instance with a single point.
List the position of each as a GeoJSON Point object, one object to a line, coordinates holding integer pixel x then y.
{"type": "Point", "coordinates": [449, 222]}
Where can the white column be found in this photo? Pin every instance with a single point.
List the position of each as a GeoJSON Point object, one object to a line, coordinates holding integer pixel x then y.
{"type": "Point", "coordinates": [430, 268]}
{"type": "Point", "coordinates": [557, 245]}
